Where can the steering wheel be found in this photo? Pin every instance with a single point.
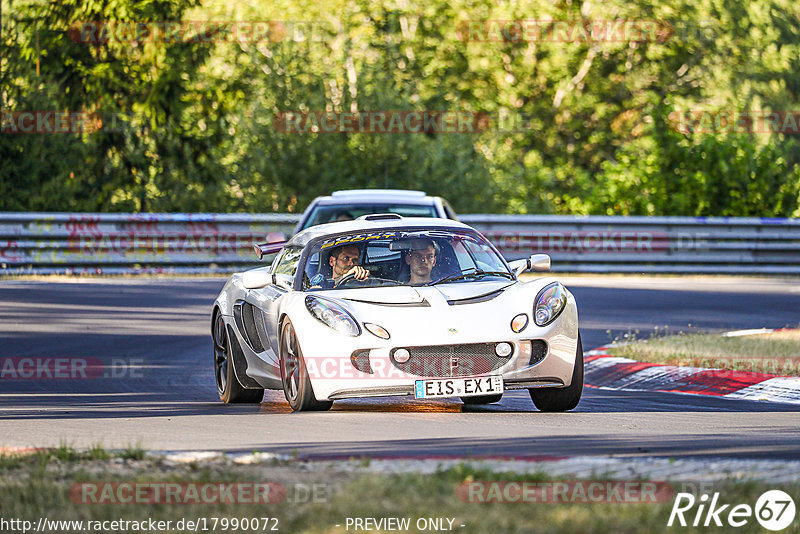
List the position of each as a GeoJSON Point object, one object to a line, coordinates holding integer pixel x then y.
{"type": "Point", "coordinates": [346, 278]}
{"type": "Point", "coordinates": [371, 281]}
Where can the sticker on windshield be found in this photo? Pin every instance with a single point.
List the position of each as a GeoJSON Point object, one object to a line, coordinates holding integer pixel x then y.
{"type": "Point", "coordinates": [357, 238]}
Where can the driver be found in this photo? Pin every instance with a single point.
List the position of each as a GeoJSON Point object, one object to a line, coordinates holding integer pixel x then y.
{"type": "Point", "coordinates": [421, 260]}
{"type": "Point", "coordinates": [343, 260]}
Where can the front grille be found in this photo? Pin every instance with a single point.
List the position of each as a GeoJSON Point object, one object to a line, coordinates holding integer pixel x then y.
{"type": "Point", "coordinates": [451, 360]}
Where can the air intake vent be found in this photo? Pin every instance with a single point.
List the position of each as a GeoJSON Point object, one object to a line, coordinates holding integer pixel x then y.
{"type": "Point", "coordinates": [360, 360]}
{"type": "Point", "coordinates": [381, 217]}
{"type": "Point", "coordinates": [538, 351]}
{"type": "Point", "coordinates": [250, 323]}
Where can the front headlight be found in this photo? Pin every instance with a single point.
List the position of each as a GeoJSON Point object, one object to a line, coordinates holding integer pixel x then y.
{"type": "Point", "coordinates": [332, 315]}
{"type": "Point", "coordinates": [550, 302]}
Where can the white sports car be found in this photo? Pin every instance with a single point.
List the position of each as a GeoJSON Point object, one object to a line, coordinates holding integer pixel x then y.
{"type": "Point", "coordinates": [385, 305]}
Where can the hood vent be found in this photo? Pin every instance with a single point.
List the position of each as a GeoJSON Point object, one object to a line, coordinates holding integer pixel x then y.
{"type": "Point", "coordinates": [476, 300]}
{"type": "Point", "coordinates": [421, 304]}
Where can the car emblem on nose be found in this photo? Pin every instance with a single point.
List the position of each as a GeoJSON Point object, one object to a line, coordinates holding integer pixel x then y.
{"type": "Point", "coordinates": [452, 330]}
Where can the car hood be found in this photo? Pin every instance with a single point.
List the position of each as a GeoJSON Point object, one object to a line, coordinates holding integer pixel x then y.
{"type": "Point", "coordinates": [430, 315]}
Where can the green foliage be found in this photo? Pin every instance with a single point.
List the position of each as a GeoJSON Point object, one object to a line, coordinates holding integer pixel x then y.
{"type": "Point", "coordinates": [668, 173]}
{"type": "Point", "coordinates": [575, 126]}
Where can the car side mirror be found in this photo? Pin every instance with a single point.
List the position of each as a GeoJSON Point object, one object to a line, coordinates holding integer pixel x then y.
{"type": "Point", "coordinates": [536, 263]}
{"type": "Point", "coordinates": [256, 279]}
{"type": "Point", "coordinates": [539, 263]}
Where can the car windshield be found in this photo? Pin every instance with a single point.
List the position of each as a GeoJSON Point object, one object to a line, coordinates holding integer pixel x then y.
{"type": "Point", "coordinates": [401, 258]}
{"type": "Point", "coordinates": [327, 214]}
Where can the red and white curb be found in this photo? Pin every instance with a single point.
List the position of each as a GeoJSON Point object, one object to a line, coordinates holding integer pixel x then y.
{"type": "Point", "coordinates": [604, 371]}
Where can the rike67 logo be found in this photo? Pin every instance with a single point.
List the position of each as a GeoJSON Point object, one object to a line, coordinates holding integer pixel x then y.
{"type": "Point", "coordinates": [774, 510]}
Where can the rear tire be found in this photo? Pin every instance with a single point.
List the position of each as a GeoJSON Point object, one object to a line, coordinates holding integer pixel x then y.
{"type": "Point", "coordinates": [228, 387]}
{"type": "Point", "coordinates": [294, 375]}
{"type": "Point", "coordinates": [482, 399]}
{"type": "Point", "coordinates": [562, 399]}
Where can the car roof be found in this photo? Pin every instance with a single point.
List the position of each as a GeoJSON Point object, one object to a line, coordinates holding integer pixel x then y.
{"type": "Point", "coordinates": [375, 196]}
{"type": "Point", "coordinates": [362, 224]}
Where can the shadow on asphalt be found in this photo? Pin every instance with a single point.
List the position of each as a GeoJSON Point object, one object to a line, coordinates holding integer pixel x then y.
{"type": "Point", "coordinates": [96, 402]}
{"type": "Point", "coordinates": [545, 448]}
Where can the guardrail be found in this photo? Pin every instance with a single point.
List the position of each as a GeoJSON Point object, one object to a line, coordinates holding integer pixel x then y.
{"type": "Point", "coordinates": [115, 243]}
{"type": "Point", "coordinates": [128, 243]}
{"type": "Point", "coordinates": [649, 244]}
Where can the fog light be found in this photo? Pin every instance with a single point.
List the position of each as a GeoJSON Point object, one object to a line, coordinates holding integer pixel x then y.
{"type": "Point", "coordinates": [503, 350]}
{"type": "Point", "coordinates": [401, 355]}
{"type": "Point", "coordinates": [519, 322]}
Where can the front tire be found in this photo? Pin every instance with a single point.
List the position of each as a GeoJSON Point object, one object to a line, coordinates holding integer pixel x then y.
{"type": "Point", "coordinates": [228, 387]}
{"type": "Point", "coordinates": [294, 375]}
{"type": "Point", "coordinates": [562, 399]}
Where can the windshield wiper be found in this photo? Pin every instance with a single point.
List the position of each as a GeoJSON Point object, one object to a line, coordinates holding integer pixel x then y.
{"type": "Point", "coordinates": [469, 273]}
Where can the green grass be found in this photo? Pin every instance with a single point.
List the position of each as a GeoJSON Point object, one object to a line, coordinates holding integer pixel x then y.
{"type": "Point", "coordinates": [65, 454]}
{"type": "Point", "coordinates": [775, 353]}
{"type": "Point", "coordinates": [30, 490]}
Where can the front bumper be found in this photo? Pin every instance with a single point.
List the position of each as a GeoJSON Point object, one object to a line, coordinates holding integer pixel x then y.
{"type": "Point", "coordinates": [333, 375]}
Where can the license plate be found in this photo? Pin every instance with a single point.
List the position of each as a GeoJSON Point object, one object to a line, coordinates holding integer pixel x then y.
{"type": "Point", "coordinates": [458, 387]}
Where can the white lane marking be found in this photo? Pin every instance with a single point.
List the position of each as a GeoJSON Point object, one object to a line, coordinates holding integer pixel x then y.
{"type": "Point", "coordinates": [780, 389]}
{"type": "Point", "coordinates": [601, 363]}
{"type": "Point", "coordinates": [656, 377]}
{"type": "Point", "coordinates": [750, 332]}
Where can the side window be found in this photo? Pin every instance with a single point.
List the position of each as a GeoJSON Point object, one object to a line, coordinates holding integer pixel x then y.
{"type": "Point", "coordinates": [287, 263]}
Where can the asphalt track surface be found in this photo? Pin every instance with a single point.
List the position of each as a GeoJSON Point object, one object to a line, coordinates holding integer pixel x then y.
{"type": "Point", "coordinates": [154, 333]}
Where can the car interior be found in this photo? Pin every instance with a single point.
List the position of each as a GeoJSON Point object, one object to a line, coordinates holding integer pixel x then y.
{"type": "Point", "coordinates": [386, 260]}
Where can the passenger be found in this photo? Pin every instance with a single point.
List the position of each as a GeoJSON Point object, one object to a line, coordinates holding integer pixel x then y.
{"type": "Point", "coordinates": [344, 216]}
{"type": "Point", "coordinates": [421, 260]}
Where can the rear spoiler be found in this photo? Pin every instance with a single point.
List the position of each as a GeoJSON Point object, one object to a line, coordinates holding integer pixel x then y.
{"type": "Point", "coordinates": [262, 249]}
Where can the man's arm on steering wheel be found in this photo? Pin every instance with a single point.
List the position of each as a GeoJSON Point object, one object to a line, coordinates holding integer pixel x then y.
{"type": "Point", "coordinates": [356, 272]}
